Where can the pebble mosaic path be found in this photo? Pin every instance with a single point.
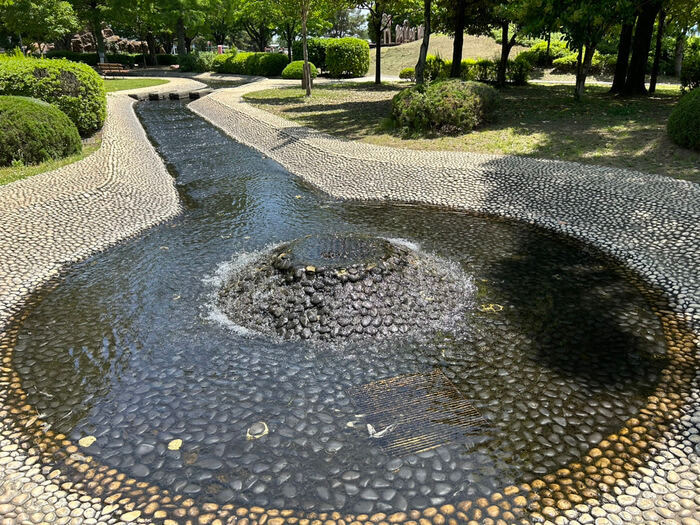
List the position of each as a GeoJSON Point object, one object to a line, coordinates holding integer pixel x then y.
{"type": "Point", "coordinates": [649, 223]}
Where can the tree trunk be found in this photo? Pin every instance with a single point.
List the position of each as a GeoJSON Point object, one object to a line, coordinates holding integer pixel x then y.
{"type": "Point", "coordinates": [96, 26]}
{"type": "Point", "coordinates": [505, 51]}
{"type": "Point", "coordinates": [152, 52]}
{"type": "Point", "coordinates": [456, 70]}
{"type": "Point", "coordinates": [634, 85]}
{"type": "Point", "coordinates": [657, 51]}
{"type": "Point", "coordinates": [378, 39]}
{"type": "Point", "coordinates": [306, 76]}
{"type": "Point", "coordinates": [678, 54]}
{"type": "Point", "coordinates": [180, 30]}
{"type": "Point", "coordinates": [583, 67]}
{"type": "Point", "coordinates": [423, 56]}
{"type": "Point", "coordinates": [623, 58]}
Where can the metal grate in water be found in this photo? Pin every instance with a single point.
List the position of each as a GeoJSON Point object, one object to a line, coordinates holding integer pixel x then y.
{"type": "Point", "coordinates": [418, 412]}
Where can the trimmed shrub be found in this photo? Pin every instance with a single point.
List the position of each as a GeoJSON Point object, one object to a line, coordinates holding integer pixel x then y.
{"type": "Point", "coordinates": [197, 61]}
{"type": "Point", "coordinates": [449, 106]}
{"type": "Point", "coordinates": [91, 59]}
{"type": "Point", "coordinates": [32, 131]}
{"type": "Point", "coordinates": [408, 73]}
{"type": "Point", "coordinates": [316, 49]}
{"type": "Point", "coordinates": [682, 124]}
{"type": "Point", "coordinates": [347, 57]}
{"type": "Point", "coordinates": [270, 64]}
{"type": "Point", "coordinates": [537, 54]}
{"type": "Point", "coordinates": [76, 89]}
{"type": "Point", "coordinates": [295, 70]}
{"type": "Point", "coordinates": [224, 63]}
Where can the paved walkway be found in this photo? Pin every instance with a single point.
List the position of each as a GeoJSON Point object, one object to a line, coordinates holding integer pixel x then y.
{"type": "Point", "coordinates": [650, 223]}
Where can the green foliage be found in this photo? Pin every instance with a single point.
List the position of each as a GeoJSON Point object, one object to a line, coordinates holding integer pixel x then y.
{"type": "Point", "coordinates": [449, 106]}
{"type": "Point", "coordinates": [436, 68]}
{"type": "Point", "coordinates": [537, 55]}
{"type": "Point", "coordinates": [295, 70]}
{"type": "Point", "coordinates": [224, 63]}
{"type": "Point", "coordinates": [32, 131]}
{"type": "Point", "coordinates": [682, 124]}
{"type": "Point", "coordinates": [347, 57]}
{"type": "Point", "coordinates": [76, 89]}
{"type": "Point", "coordinates": [197, 61]}
{"type": "Point", "coordinates": [408, 73]}
{"type": "Point", "coordinates": [690, 72]}
{"type": "Point", "coordinates": [316, 49]}
{"type": "Point", "coordinates": [599, 63]}
{"type": "Point", "coordinates": [91, 59]}
{"type": "Point", "coordinates": [518, 71]}
{"type": "Point", "coordinates": [259, 64]}
{"type": "Point", "coordinates": [167, 60]}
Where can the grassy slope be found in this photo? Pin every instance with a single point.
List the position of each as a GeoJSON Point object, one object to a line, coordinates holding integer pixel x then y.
{"type": "Point", "coordinates": [394, 59]}
{"type": "Point", "coordinates": [536, 121]}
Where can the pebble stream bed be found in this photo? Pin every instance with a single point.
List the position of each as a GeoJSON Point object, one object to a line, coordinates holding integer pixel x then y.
{"type": "Point", "coordinates": [558, 350]}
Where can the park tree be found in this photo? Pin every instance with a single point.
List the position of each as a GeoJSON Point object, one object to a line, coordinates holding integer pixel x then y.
{"type": "Point", "coordinates": [307, 11]}
{"type": "Point", "coordinates": [641, 44]}
{"type": "Point", "coordinates": [219, 20]}
{"type": "Point", "coordinates": [378, 21]}
{"type": "Point", "coordinates": [91, 14]}
{"type": "Point", "coordinates": [347, 22]}
{"type": "Point", "coordinates": [257, 19]}
{"type": "Point", "coordinates": [585, 23]}
{"type": "Point", "coordinates": [425, 44]}
{"type": "Point", "coordinates": [457, 17]}
{"type": "Point", "coordinates": [39, 21]}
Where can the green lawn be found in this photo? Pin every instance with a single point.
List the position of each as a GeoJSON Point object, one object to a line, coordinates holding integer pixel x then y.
{"type": "Point", "coordinates": [121, 84]}
{"type": "Point", "coordinates": [535, 121]}
{"type": "Point", "coordinates": [13, 173]}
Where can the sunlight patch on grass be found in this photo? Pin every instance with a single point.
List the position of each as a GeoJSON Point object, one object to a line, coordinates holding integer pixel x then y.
{"type": "Point", "coordinates": [122, 84]}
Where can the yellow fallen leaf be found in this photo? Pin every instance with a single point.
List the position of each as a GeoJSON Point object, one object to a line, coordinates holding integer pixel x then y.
{"type": "Point", "coordinates": [87, 441]}
{"type": "Point", "coordinates": [175, 444]}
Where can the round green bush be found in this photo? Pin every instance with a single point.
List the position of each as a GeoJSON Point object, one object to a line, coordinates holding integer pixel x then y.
{"type": "Point", "coordinates": [198, 61]}
{"type": "Point", "coordinates": [448, 106]}
{"type": "Point", "coordinates": [259, 64]}
{"type": "Point", "coordinates": [683, 122]}
{"type": "Point", "coordinates": [74, 88]}
{"type": "Point", "coordinates": [347, 57]}
{"type": "Point", "coordinates": [32, 131]}
{"type": "Point", "coordinates": [408, 73]}
{"type": "Point", "coordinates": [295, 70]}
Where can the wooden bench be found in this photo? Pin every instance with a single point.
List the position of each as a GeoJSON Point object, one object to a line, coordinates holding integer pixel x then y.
{"type": "Point", "coordinates": [108, 68]}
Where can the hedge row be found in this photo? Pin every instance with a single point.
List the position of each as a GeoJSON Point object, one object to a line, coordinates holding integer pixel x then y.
{"type": "Point", "coordinates": [91, 59]}
{"type": "Point", "coordinates": [33, 131]}
{"type": "Point", "coordinates": [74, 88]}
{"type": "Point", "coordinates": [247, 63]}
{"type": "Point", "coordinates": [483, 70]}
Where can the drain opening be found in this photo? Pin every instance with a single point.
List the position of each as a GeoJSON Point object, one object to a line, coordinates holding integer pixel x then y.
{"type": "Point", "coordinates": [414, 413]}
